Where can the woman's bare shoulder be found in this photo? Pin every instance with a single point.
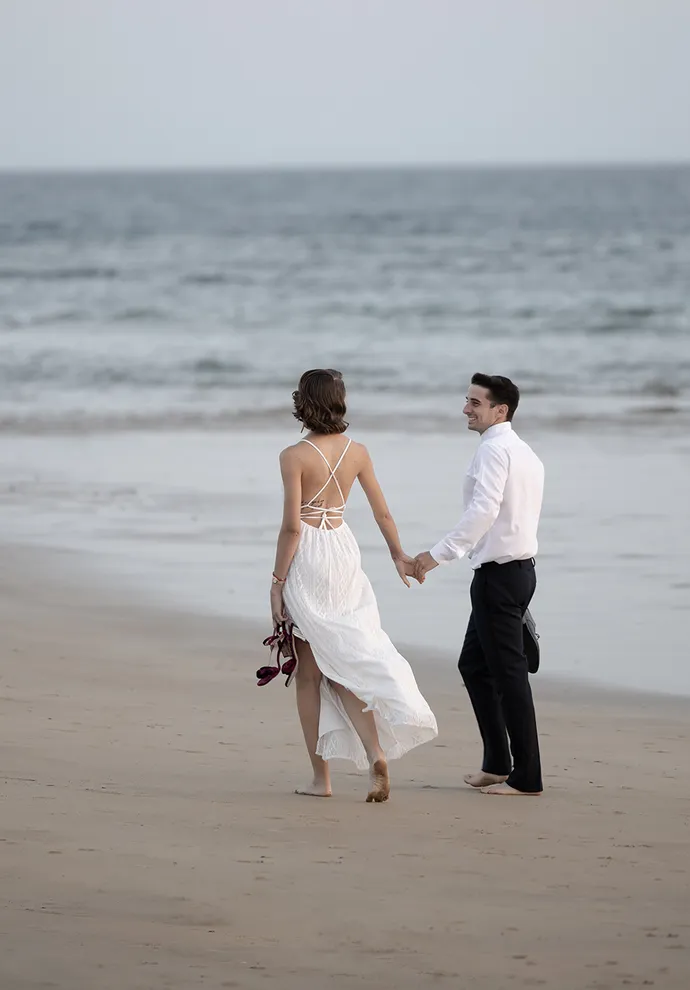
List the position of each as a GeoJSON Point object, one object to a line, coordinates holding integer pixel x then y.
{"type": "Point", "coordinates": [360, 456]}
{"type": "Point", "coordinates": [292, 454]}
{"type": "Point", "coordinates": [359, 449]}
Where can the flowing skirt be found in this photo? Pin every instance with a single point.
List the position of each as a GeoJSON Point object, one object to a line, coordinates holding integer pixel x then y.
{"type": "Point", "coordinates": [332, 604]}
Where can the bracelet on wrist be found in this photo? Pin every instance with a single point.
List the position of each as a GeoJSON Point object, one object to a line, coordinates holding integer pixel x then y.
{"type": "Point", "coordinates": [277, 580]}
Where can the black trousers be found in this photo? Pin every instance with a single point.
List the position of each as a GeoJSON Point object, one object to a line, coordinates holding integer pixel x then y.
{"type": "Point", "coordinates": [494, 668]}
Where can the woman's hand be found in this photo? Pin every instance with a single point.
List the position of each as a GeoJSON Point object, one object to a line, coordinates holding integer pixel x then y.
{"type": "Point", "coordinates": [405, 566]}
{"type": "Point", "coordinates": [278, 613]}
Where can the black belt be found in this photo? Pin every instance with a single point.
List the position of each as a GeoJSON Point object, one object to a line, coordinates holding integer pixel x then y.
{"type": "Point", "coordinates": [530, 562]}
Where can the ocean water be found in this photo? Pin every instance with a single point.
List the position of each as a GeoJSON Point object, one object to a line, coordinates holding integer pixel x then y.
{"type": "Point", "coordinates": [152, 328]}
{"type": "Point", "coordinates": [198, 299]}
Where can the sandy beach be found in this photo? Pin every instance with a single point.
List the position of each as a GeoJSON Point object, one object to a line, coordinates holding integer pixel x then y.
{"type": "Point", "coordinates": [199, 203]}
{"type": "Point", "coordinates": [150, 838]}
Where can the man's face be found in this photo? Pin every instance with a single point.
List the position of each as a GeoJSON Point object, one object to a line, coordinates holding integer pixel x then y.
{"type": "Point", "coordinates": [479, 411]}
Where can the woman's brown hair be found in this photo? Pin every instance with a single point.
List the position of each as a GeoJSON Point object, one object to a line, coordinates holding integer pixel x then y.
{"type": "Point", "coordinates": [320, 401]}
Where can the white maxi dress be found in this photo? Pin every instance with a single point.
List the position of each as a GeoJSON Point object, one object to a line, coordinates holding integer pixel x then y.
{"type": "Point", "coordinates": [332, 605]}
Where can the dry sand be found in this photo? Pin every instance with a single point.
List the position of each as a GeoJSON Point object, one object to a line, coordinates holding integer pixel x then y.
{"type": "Point", "coordinates": [150, 839]}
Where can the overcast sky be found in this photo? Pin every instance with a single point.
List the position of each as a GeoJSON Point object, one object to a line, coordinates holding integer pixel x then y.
{"type": "Point", "coordinates": [183, 83]}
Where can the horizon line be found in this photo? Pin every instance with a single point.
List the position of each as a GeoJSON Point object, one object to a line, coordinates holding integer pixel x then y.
{"type": "Point", "coordinates": [346, 167]}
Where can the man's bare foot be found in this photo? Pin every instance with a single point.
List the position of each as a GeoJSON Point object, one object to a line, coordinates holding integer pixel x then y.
{"type": "Point", "coordinates": [482, 779]}
{"type": "Point", "coordinates": [319, 788]}
{"type": "Point", "coordinates": [380, 786]}
{"type": "Point", "coordinates": [505, 790]}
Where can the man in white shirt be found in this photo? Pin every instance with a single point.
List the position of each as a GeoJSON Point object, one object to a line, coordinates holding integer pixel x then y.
{"type": "Point", "coordinates": [498, 533]}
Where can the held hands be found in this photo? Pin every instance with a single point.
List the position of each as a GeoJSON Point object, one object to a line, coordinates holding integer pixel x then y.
{"type": "Point", "coordinates": [416, 567]}
{"type": "Point", "coordinates": [406, 567]}
{"type": "Point", "coordinates": [423, 563]}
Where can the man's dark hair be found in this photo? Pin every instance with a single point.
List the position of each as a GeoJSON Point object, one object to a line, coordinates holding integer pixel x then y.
{"type": "Point", "coordinates": [501, 391]}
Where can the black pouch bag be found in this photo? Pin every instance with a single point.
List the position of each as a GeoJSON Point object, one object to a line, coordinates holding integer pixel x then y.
{"type": "Point", "coordinates": [530, 641]}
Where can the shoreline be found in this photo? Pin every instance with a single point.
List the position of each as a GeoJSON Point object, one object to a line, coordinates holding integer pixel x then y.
{"type": "Point", "coordinates": [190, 520]}
{"type": "Point", "coordinates": [75, 567]}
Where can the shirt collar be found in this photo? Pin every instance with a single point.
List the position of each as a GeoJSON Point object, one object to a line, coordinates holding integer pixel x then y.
{"type": "Point", "coordinates": [497, 429]}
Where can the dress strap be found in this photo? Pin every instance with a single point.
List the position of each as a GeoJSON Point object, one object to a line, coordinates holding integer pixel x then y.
{"type": "Point", "coordinates": [331, 470]}
{"type": "Point", "coordinates": [319, 451]}
{"type": "Point", "coordinates": [325, 459]}
{"type": "Point", "coordinates": [340, 459]}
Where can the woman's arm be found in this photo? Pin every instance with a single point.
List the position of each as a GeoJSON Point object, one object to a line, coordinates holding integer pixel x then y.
{"type": "Point", "coordinates": [288, 537]}
{"type": "Point", "coordinates": [404, 564]}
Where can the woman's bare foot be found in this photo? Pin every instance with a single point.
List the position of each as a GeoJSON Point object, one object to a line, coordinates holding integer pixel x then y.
{"type": "Point", "coordinates": [482, 779]}
{"type": "Point", "coordinates": [319, 788]}
{"type": "Point", "coordinates": [380, 786]}
{"type": "Point", "coordinates": [508, 791]}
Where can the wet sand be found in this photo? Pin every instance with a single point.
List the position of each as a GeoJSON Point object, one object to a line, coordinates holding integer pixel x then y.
{"type": "Point", "coordinates": [150, 838]}
{"type": "Point", "coordinates": [190, 521]}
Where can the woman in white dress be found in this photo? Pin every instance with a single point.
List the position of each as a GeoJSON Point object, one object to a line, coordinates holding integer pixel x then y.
{"type": "Point", "coordinates": [357, 697]}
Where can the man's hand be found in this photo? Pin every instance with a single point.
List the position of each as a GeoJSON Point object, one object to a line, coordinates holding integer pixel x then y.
{"type": "Point", "coordinates": [423, 563]}
{"type": "Point", "coordinates": [406, 566]}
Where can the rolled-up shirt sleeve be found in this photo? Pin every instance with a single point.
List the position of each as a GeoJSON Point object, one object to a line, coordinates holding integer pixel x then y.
{"type": "Point", "coordinates": [490, 474]}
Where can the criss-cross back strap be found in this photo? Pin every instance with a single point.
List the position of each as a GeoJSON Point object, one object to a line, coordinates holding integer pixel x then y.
{"type": "Point", "coordinates": [332, 471]}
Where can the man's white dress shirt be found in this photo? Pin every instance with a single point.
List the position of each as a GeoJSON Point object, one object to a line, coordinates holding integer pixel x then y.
{"type": "Point", "coordinates": [502, 498]}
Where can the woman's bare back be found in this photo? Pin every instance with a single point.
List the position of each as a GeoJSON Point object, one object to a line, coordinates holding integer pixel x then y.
{"type": "Point", "coordinates": [328, 474]}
